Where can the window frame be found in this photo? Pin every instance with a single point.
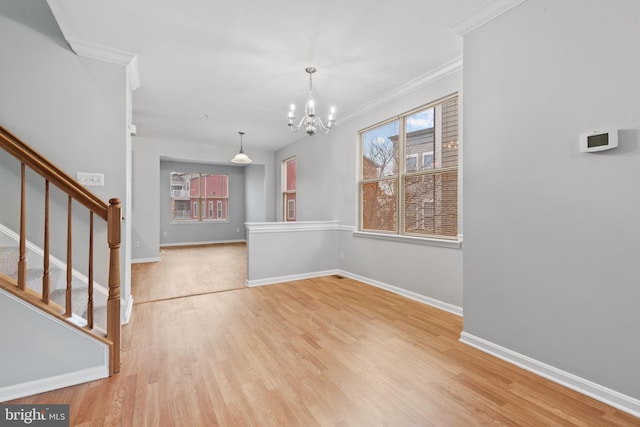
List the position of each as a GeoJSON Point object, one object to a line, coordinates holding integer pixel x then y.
{"type": "Point", "coordinates": [286, 193]}
{"type": "Point", "coordinates": [400, 233]}
{"type": "Point", "coordinates": [199, 207]}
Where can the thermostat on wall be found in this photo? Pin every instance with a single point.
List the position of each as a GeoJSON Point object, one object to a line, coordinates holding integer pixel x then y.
{"type": "Point", "coordinates": [598, 140]}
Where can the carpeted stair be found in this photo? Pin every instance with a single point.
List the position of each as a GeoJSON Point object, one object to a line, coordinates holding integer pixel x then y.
{"type": "Point", "coordinates": [9, 257]}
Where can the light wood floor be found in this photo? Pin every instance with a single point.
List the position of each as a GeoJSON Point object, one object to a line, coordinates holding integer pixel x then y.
{"type": "Point", "coordinates": [190, 270]}
{"type": "Point", "coordinates": [321, 352]}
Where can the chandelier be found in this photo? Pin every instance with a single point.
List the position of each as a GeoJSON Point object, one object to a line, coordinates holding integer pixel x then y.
{"type": "Point", "coordinates": [241, 157]}
{"type": "Point", "coordinates": [310, 122]}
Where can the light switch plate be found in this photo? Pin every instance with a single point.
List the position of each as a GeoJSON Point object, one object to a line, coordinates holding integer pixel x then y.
{"type": "Point", "coordinates": [90, 179]}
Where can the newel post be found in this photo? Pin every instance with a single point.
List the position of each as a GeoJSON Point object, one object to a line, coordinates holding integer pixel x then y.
{"type": "Point", "coordinates": [113, 303]}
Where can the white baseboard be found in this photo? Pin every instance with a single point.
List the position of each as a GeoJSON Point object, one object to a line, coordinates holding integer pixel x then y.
{"type": "Point", "coordinates": [290, 278]}
{"type": "Point", "coordinates": [52, 383]}
{"type": "Point", "coordinates": [603, 394]}
{"type": "Point", "coordinates": [212, 242]}
{"type": "Point", "coordinates": [409, 294]}
{"type": "Point", "coordinates": [143, 260]}
{"type": "Point", "coordinates": [126, 308]}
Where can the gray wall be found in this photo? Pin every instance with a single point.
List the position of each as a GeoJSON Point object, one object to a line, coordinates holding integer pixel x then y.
{"type": "Point", "coordinates": [69, 109]}
{"type": "Point", "coordinates": [147, 186]}
{"type": "Point", "coordinates": [255, 193]}
{"type": "Point", "coordinates": [197, 232]}
{"type": "Point", "coordinates": [327, 190]}
{"type": "Point", "coordinates": [43, 344]}
{"type": "Point", "coordinates": [287, 251]}
{"type": "Point", "coordinates": [551, 234]}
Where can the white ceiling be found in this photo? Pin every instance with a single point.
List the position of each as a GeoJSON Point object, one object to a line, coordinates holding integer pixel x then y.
{"type": "Point", "coordinates": [211, 68]}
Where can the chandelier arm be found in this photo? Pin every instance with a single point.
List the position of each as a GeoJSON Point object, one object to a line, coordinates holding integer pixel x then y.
{"type": "Point", "coordinates": [295, 128]}
{"type": "Point", "coordinates": [324, 129]}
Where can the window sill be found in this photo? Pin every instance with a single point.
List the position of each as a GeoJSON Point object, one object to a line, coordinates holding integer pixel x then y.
{"type": "Point", "coordinates": [428, 241]}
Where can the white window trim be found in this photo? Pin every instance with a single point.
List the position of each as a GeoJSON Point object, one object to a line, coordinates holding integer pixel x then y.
{"type": "Point", "coordinates": [427, 241]}
{"type": "Point", "coordinates": [408, 238]}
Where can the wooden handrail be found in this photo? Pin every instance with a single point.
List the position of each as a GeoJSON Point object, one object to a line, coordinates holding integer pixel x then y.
{"type": "Point", "coordinates": [48, 170]}
{"type": "Point", "coordinates": [110, 213]}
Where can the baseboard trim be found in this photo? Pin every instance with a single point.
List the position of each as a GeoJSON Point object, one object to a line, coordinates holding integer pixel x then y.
{"type": "Point", "coordinates": [127, 307]}
{"type": "Point", "coordinates": [603, 394]}
{"type": "Point", "coordinates": [396, 290]}
{"type": "Point", "coordinates": [211, 242]}
{"type": "Point", "coordinates": [289, 278]}
{"type": "Point", "coordinates": [143, 260]}
{"type": "Point", "coordinates": [405, 293]}
{"type": "Point", "coordinates": [52, 383]}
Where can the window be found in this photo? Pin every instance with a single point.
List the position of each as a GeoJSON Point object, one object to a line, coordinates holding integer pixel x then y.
{"type": "Point", "coordinates": [219, 212]}
{"type": "Point", "coordinates": [291, 210]}
{"type": "Point", "coordinates": [289, 189]}
{"type": "Point", "coordinates": [192, 190]}
{"type": "Point", "coordinates": [420, 196]}
{"type": "Point", "coordinates": [194, 211]}
{"type": "Point", "coordinates": [412, 162]}
{"type": "Point", "coordinates": [427, 160]}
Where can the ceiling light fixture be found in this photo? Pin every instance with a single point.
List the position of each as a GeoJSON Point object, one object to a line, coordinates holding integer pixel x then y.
{"type": "Point", "coordinates": [310, 121]}
{"type": "Point", "coordinates": [241, 157]}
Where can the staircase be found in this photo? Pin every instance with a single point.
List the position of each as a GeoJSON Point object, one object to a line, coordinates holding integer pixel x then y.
{"type": "Point", "coordinates": [9, 257]}
{"type": "Point", "coordinates": [54, 287]}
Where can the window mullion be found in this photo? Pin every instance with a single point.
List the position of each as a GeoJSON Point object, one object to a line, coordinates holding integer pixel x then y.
{"type": "Point", "coordinates": [402, 159]}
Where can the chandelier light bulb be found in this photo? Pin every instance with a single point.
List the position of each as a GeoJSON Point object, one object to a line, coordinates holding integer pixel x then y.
{"type": "Point", "coordinates": [311, 107]}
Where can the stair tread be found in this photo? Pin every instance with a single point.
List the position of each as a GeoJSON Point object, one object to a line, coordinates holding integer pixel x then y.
{"type": "Point", "coordinates": [9, 257]}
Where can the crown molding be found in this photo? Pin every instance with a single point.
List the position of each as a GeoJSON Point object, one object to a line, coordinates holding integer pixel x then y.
{"type": "Point", "coordinates": [101, 53]}
{"type": "Point", "coordinates": [483, 15]}
{"type": "Point", "coordinates": [133, 73]}
{"type": "Point", "coordinates": [426, 79]}
{"type": "Point", "coordinates": [107, 54]}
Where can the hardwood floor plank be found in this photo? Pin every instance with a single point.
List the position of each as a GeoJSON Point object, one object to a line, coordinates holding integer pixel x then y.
{"type": "Point", "coordinates": [191, 270]}
{"type": "Point", "coordinates": [317, 352]}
